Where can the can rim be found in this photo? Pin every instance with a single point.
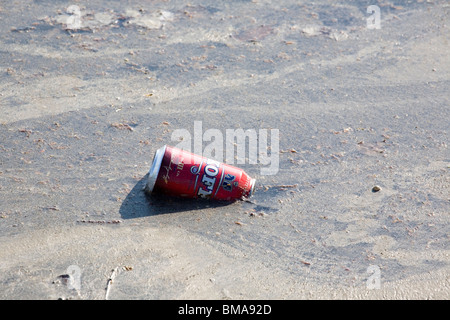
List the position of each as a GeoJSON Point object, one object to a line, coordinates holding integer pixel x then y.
{"type": "Point", "coordinates": [252, 187]}
{"type": "Point", "coordinates": [154, 169]}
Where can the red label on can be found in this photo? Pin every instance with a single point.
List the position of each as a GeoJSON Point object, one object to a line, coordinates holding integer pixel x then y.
{"type": "Point", "coordinates": [188, 175]}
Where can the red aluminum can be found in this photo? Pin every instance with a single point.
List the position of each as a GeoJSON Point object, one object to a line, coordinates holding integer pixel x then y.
{"type": "Point", "coordinates": [181, 173]}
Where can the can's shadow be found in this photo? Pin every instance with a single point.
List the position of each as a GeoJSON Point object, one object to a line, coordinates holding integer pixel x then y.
{"type": "Point", "coordinates": [139, 204]}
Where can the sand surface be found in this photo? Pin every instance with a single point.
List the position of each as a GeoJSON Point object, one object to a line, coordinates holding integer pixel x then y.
{"type": "Point", "coordinates": [85, 104]}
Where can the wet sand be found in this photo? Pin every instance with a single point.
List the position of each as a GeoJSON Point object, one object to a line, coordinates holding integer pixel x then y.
{"type": "Point", "coordinates": [84, 107]}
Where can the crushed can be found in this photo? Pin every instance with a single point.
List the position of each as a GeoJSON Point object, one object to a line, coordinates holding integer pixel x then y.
{"type": "Point", "coordinates": [181, 173]}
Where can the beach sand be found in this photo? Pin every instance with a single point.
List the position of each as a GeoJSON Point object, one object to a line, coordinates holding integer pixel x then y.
{"type": "Point", "coordinates": [87, 95]}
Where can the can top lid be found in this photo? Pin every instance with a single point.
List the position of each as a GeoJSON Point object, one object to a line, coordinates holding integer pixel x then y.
{"type": "Point", "coordinates": [154, 169]}
{"type": "Point", "coordinates": [252, 187]}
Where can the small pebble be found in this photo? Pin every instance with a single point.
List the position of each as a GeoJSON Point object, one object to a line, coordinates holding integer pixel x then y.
{"type": "Point", "coordinates": [376, 188]}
